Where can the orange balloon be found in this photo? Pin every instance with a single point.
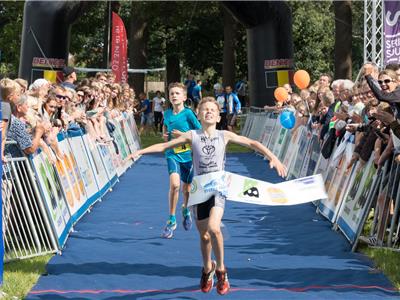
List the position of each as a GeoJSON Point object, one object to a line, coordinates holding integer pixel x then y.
{"type": "Point", "coordinates": [280, 94]}
{"type": "Point", "coordinates": [301, 79]}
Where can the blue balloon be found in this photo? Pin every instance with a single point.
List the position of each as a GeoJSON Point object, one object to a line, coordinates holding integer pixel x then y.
{"type": "Point", "coordinates": [287, 119]}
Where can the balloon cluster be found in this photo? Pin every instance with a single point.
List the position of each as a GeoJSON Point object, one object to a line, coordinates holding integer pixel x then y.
{"type": "Point", "coordinates": [301, 79]}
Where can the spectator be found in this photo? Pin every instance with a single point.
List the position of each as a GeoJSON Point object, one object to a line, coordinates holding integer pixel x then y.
{"type": "Point", "coordinates": [69, 77]}
{"type": "Point", "coordinates": [196, 94]}
{"type": "Point", "coordinates": [190, 84]}
{"type": "Point", "coordinates": [10, 92]}
{"type": "Point", "coordinates": [158, 108]}
{"type": "Point", "coordinates": [241, 91]}
{"type": "Point", "coordinates": [144, 111]}
{"type": "Point", "coordinates": [233, 107]}
{"type": "Point", "coordinates": [17, 130]}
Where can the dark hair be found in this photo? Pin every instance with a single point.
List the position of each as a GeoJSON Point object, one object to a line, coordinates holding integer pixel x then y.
{"type": "Point", "coordinates": [393, 67]}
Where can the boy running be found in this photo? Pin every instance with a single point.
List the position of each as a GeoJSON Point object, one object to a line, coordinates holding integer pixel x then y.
{"type": "Point", "coordinates": [208, 146]}
{"type": "Point", "coordinates": [179, 159]}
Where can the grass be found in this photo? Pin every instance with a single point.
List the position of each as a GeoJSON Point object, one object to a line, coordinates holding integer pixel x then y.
{"type": "Point", "coordinates": [386, 260]}
{"type": "Point", "coordinates": [20, 276]}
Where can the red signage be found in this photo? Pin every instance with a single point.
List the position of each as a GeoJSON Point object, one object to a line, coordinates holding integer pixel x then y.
{"type": "Point", "coordinates": [119, 50]}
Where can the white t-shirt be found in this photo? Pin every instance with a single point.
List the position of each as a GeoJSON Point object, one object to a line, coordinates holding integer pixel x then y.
{"type": "Point", "coordinates": [158, 103]}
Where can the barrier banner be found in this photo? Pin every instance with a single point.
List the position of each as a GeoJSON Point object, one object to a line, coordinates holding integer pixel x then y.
{"type": "Point", "coordinates": [97, 164]}
{"type": "Point", "coordinates": [307, 155]}
{"type": "Point", "coordinates": [300, 154]}
{"type": "Point", "coordinates": [134, 131]}
{"type": "Point", "coordinates": [269, 126]}
{"type": "Point", "coordinates": [354, 205]}
{"type": "Point", "coordinates": [128, 135]}
{"type": "Point", "coordinates": [315, 150]}
{"type": "Point", "coordinates": [69, 170]}
{"type": "Point", "coordinates": [391, 32]}
{"type": "Point", "coordinates": [280, 142]}
{"type": "Point", "coordinates": [53, 196]}
{"type": "Point", "coordinates": [329, 207]}
{"type": "Point", "coordinates": [248, 190]}
{"type": "Point", "coordinates": [123, 149]}
{"type": "Point", "coordinates": [291, 153]}
{"type": "Point", "coordinates": [274, 135]}
{"type": "Point", "coordinates": [85, 168]}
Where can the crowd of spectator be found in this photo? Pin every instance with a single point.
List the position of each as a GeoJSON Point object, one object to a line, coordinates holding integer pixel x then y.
{"type": "Point", "coordinates": [366, 110]}
{"type": "Point", "coordinates": [34, 115]}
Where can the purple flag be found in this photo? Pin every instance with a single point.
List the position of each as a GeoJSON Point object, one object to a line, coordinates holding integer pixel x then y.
{"type": "Point", "coordinates": [392, 32]}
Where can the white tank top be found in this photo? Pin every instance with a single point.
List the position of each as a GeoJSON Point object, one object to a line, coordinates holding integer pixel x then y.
{"type": "Point", "coordinates": [208, 152]}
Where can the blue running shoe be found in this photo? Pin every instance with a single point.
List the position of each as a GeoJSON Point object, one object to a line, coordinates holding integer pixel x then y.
{"type": "Point", "coordinates": [187, 218]}
{"type": "Point", "coordinates": [168, 231]}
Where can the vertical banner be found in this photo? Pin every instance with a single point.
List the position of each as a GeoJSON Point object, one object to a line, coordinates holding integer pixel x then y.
{"type": "Point", "coordinates": [1, 210]}
{"type": "Point", "coordinates": [392, 32]}
{"type": "Point", "coordinates": [119, 50]}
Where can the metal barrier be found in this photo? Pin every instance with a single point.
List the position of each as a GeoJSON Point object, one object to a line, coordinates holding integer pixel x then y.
{"type": "Point", "coordinates": [43, 200]}
{"type": "Point", "coordinates": [25, 222]}
{"type": "Point", "coordinates": [354, 193]}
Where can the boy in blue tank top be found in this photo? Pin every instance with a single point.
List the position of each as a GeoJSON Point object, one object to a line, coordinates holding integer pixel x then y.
{"type": "Point", "coordinates": [178, 120]}
{"type": "Point", "coordinates": [208, 146]}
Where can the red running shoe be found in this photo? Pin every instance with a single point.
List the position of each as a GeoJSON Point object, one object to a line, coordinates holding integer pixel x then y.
{"type": "Point", "coordinates": [207, 279]}
{"type": "Point", "coordinates": [223, 283]}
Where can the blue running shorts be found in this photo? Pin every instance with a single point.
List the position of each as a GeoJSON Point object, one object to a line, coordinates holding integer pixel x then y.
{"type": "Point", "coordinates": [184, 169]}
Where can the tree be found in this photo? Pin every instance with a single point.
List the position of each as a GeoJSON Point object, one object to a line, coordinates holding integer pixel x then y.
{"type": "Point", "coordinates": [313, 36]}
{"type": "Point", "coordinates": [343, 39]}
{"type": "Point", "coordinates": [138, 39]}
{"type": "Point", "coordinates": [11, 16]}
{"type": "Point", "coordinates": [228, 73]}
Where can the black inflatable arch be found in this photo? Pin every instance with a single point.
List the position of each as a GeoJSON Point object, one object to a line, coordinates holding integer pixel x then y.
{"type": "Point", "coordinates": [47, 24]}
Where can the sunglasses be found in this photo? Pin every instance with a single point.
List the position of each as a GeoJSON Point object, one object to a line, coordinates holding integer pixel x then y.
{"type": "Point", "coordinates": [62, 97]}
{"type": "Point", "coordinates": [386, 81]}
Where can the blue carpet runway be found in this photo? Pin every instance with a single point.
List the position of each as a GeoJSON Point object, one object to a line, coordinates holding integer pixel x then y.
{"type": "Point", "coordinates": [271, 252]}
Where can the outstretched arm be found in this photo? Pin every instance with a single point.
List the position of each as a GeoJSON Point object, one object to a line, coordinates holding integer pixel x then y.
{"type": "Point", "coordinates": [161, 147]}
{"type": "Point", "coordinates": [257, 146]}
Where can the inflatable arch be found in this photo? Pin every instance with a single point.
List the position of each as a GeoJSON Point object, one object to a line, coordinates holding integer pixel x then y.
{"type": "Point", "coordinates": [47, 25]}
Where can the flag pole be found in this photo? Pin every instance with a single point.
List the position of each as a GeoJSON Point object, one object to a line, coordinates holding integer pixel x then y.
{"type": "Point", "coordinates": [109, 34]}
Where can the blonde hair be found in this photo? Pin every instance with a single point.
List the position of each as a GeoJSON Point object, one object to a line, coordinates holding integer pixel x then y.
{"type": "Point", "coordinates": [206, 100]}
{"type": "Point", "coordinates": [7, 88]}
{"type": "Point", "coordinates": [177, 85]}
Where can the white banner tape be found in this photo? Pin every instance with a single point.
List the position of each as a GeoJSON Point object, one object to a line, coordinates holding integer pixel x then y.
{"type": "Point", "coordinates": [248, 190]}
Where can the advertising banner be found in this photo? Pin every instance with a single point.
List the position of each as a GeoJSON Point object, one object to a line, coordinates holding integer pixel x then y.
{"type": "Point", "coordinates": [85, 168]}
{"type": "Point", "coordinates": [391, 32]}
{"type": "Point", "coordinates": [97, 164]}
{"type": "Point", "coordinates": [354, 204]}
{"type": "Point", "coordinates": [119, 49]}
{"type": "Point", "coordinates": [336, 185]}
{"type": "Point", "coordinates": [53, 196]}
{"type": "Point", "coordinates": [67, 167]}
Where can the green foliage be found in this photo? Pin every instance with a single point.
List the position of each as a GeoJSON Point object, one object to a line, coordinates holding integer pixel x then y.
{"type": "Point", "coordinates": [313, 36]}
{"type": "Point", "coordinates": [386, 260]}
{"type": "Point", "coordinates": [20, 276]}
{"type": "Point", "coordinates": [11, 16]}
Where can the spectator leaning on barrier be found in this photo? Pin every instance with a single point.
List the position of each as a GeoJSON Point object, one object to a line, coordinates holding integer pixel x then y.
{"type": "Point", "coordinates": [10, 92]}
{"type": "Point", "coordinates": [17, 130]}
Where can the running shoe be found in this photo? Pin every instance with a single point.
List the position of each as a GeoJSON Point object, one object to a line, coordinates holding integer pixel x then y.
{"type": "Point", "coordinates": [168, 231]}
{"type": "Point", "coordinates": [187, 218]}
{"type": "Point", "coordinates": [223, 283]}
{"type": "Point", "coordinates": [207, 279]}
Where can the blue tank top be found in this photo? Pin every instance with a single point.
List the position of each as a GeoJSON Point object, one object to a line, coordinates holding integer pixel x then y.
{"type": "Point", "coordinates": [183, 121]}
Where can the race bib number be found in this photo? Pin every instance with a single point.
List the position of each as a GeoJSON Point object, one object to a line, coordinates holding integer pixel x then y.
{"type": "Point", "coordinates": [182, 148]}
